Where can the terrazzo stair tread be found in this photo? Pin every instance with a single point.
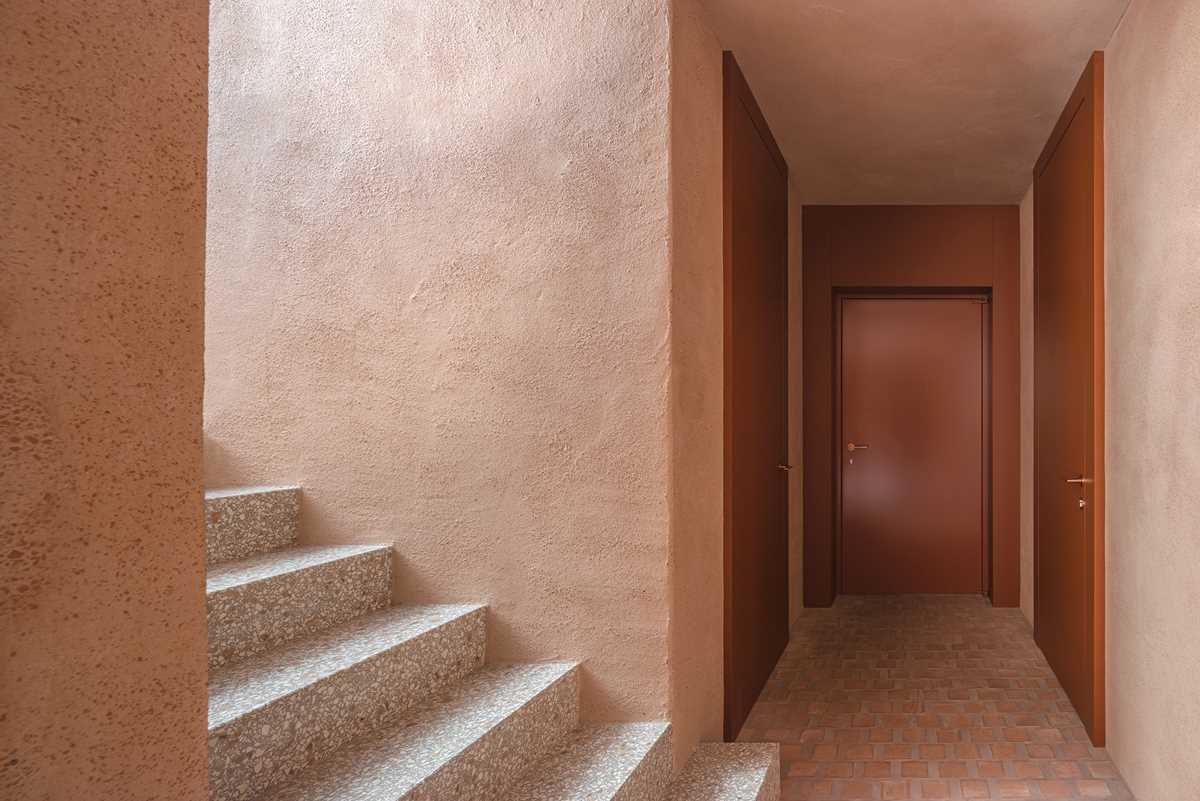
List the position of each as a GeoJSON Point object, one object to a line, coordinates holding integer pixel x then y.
{"type": "Point", "coordinates": [239, 689]}
{"type": "Point", "coordinates": [617, 762]}
{"type": "Point", "coordinates": [470, 743]}
{"type": "Point", "coordinates": [271, 715]}
{"type": "Point", "coordinates": [729, 772]}
{"type": "Point", "coordinates": [267, 600]}
{"type": "Point", "coordinates": [243, 521]}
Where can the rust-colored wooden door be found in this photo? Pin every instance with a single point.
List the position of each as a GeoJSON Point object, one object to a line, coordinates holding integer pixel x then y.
{"type": "Point", "coordinates": [756, 624]}
{"type": "Point", "coordinates": [1068, 401]}
{"type": "Point", "coordinates": [913, 424]}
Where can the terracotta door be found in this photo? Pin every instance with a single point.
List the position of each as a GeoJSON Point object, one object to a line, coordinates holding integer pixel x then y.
{"type": "Point", "coordinates": [913, 433]}
{"type": "Point", "coordinates": [756, 555]}
{"type": "Point", "coordinates": [1068, 393]}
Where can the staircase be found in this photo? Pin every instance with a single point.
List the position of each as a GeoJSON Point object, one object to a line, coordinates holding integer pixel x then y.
{"type": "Point", "coordinates": [320, 690]}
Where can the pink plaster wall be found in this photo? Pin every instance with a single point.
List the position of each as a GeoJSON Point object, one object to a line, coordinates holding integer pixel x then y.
{"type": "Point", "coordinates": [439, 299]}
{"type": "Point", "coordinates": [102, 690]}
{"type": "Point", "coordinates": [1153, 414]}
{"type": "Point", "coordinates": [697, 400]}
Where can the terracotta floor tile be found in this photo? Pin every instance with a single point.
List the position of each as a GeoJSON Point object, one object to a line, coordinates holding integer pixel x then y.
{"type": "Point", "coordinates": [897, 751]}
{"type": "Point", "coordinates": [975, 789]}
{"type": "Point", "coordinates": [1013, 789]}
{"type": "Point", "coordinates": [932, 752]}
{"type": "Point", "coordinates": [1093, 788]}
{"type": "Point", "coordinates": [906, 698]}
{"type": "Point", "coordinates": [1055, 788]}
{"type": "Point", "coordinates": [935, 790]}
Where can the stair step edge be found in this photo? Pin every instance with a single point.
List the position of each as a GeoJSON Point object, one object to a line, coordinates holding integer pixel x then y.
{"type": "Point", "coordinates": [504, 717]}
{"type": "Point", "coordinates": [262, 734]}
{"type": "Point", "coordinates": [243, 521]}
{"type": "Point", "coordinates": [729, 772]}
{"type": "Point", "coordinates": [242, 688]}
{"type": "Point", "coordinates": [267, 566]}
{"type": "Point", "coordinates": [262, 603]}
{"type": "Point", "coordinates": [608, 762]}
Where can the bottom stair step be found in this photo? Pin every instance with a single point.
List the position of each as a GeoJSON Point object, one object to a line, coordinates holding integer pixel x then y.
{"type": "Point", "coordinates": [619, 762]}
{"type": "Point", "coordinates": [729, 772]}
{"type": "Point", "coordinates": [271, 715]}
{"type": "Point", "coordinates": [471, 741]}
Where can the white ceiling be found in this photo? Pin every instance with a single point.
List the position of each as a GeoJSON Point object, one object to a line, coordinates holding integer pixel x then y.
{"type": "Point", "coordinates": [912, 101]}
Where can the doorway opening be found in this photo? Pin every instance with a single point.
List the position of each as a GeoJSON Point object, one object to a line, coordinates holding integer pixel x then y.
{"type": "Point", "coordinates": [913, 260]}
{"type": "Point", "coordinates": [913, 422]}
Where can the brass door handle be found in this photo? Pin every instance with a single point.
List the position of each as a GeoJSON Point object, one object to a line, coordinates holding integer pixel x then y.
{"type": "Point", "coordinates": [853, 447]}
{"type": "Point", "coordinates": [1079, 480]}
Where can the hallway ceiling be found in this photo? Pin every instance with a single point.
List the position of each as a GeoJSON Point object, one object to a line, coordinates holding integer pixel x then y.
{"type": "Point", "coordinates": [913, 101]}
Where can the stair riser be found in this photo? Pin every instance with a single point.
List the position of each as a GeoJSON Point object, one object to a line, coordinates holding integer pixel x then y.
{"type": "Point", "coordinates": [242, 525]}
{"type": "Point", "coordinates": [262, 748]}
{"type": "Point", "coordinates": [248, 619]}
{"type": "Point", "coordinates": [494, 762]}
{"type": "Point", "coordinates": [729, 772]}
{"type": "Point", "coordinates": [770, 787]}
{"type": "Point", "coordinates": [650, 780]}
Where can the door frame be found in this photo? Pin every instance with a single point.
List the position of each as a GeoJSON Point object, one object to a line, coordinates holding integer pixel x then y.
{"type": "Point", "coordinates": [736, 90]}
{"type": "Point", "coordinates": [1090, 86]}
{"type": "Point", "coordinates": [984, 296]}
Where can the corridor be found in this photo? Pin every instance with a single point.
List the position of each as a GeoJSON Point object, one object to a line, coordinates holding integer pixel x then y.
{"type": "Point", "coordinates": [924, 697]}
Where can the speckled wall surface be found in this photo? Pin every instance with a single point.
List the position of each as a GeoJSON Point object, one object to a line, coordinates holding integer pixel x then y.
{"type": "Point", "coordinates": [438, 298]}
{"type": "Point", "coordinates": [101, 293]}
{"type": "Point", "coordinates": [1153, 415]}
{"type": "Point", "coordinates": [697, 391]}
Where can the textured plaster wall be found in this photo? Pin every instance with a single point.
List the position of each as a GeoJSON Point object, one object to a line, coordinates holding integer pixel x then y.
{"type": "Point", "coordinates": [697, 399]}
{"type": "Point", "coordinates": [1027, 405]}
{"type": "Point", "coordinates": [1153, 413]}
{"type": "Point", "coordinates": [438, 298]}
{"type": "Point", "coordinates": [795, 405]}
{"type": "Point", "coordinates": [102, 629]}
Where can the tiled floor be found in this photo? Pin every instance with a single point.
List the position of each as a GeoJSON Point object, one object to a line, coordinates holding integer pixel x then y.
{"type": "Point", "coordinates": [924, 697]}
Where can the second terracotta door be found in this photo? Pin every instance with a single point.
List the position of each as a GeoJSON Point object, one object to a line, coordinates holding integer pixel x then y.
{"type": "Point", "coordinates": [913, 428]}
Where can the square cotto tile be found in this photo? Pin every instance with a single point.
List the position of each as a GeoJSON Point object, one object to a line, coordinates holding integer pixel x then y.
{"type": "Point", "coordinates": [924, 697]}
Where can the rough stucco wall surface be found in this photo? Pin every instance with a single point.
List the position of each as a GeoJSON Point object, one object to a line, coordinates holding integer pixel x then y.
{"type": "Point", "coordinates": [101, 284]}
{"type": "Point", "coordinates": [1153, 413]}
{"type": "Point", "coordinates": [438, 299]}
{"type": "Point", "coordinates": [1027, 405]}
{"type": "Point", "coordinates": [697, 367]}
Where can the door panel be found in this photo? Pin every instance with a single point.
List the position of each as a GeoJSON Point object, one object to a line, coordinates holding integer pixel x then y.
{"type": "Point", "coordinates": [756, 629]}
{"type": "Point", "coordinates": [913, 387]}
{"type": "Point", "coordinates": [1068, 381]}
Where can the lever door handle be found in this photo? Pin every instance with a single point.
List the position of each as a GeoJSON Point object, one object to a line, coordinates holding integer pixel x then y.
{"type": "Point", "coordinates": [784, 467]}
{"type": "Point", "coordinates": [852, 447]}
{"type": "Point", "coordinates": [1079, 480]}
